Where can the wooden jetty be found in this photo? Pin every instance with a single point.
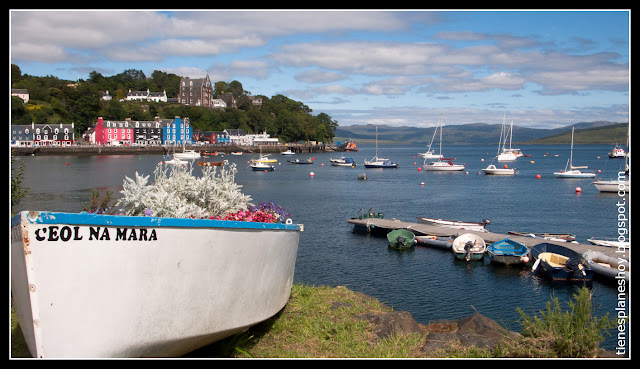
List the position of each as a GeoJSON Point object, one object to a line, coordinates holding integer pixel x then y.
{"type": "Point", "coordinates": [387, 225]}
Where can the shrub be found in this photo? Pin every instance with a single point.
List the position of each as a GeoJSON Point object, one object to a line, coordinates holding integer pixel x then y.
{"type": "Point", "coordinates": [557, 333]}
{"type": "Point", "coordinates": [177, 193]}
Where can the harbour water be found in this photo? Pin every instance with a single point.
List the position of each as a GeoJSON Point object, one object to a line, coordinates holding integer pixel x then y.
{"type": "Point", "coordinates": [427, 282]}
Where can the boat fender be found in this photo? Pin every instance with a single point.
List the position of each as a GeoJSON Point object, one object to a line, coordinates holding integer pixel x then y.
{"type": "Point", "coordinates": [535, 265]}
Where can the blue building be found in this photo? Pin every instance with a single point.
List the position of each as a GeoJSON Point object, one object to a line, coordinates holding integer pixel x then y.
{"type": "Point", "coordinates": [178, 132]}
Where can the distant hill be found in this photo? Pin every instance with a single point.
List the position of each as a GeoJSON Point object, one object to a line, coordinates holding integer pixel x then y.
{"type": "Point", "coordinates": [608, 134]}
{"type": "Point", "coordinates": [483, 133]}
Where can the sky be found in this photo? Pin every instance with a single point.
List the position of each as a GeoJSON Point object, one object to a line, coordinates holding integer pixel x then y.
{"type": "Point", "coordinates": [539, 68]}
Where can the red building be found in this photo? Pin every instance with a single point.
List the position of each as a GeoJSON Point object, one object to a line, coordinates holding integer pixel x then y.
{"type": "Point", "coordinates": [113, 132]}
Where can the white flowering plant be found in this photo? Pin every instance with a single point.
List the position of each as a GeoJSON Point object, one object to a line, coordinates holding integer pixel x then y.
{"type": "Point", "coordinates": [177, 193]}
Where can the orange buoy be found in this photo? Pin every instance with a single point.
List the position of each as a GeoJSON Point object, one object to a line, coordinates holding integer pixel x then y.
{"type": "Point", "coordinates": [312, 174]}
{"type": "Point", "coordinates": [67, 163]}
{"type": "Point", "coordinates": [578, 189]}
{"type": "Point", "coordinates": [506, 167]}
{"type": "Point", "coordinates": [419, 169]}
{"type": "Point", "coordinates": [538, 176]}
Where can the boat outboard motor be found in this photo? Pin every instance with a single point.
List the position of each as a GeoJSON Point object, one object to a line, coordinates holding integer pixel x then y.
{"type": "Point", "coordinates": [467, 248]}
{"type": "Point", "coordinates": [575, 264]}
{"type": "Point", "coordinates": [400, 239]}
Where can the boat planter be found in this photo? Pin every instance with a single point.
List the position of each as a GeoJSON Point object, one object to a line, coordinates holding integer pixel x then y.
{"type": "Point", "coordinates": [86, 285]}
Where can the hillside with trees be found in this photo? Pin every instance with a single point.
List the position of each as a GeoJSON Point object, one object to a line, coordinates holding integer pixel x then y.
{"type": "Point", "coordinates": [53, 101]}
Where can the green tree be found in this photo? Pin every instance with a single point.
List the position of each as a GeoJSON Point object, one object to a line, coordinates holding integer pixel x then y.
{"type": "Point", "coordinates": [16, 74]}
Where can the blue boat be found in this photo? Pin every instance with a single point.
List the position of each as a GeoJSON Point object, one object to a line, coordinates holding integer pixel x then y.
{"type": "Point", "coordinates": [508, 252]}
{"type": "Point", "coordinates": [557, 262]}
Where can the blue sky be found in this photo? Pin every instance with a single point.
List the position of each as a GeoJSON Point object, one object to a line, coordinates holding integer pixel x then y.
{"type": "Point", "coordinates": [543, 69]}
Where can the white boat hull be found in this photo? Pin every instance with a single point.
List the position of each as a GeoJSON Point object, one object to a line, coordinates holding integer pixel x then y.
{"type": "Point", "coordinates": [443, 166]}
{"type": "Point", "coordinates": [430, 155]}
{"type": "Point", "coordinates": [613, 186]}
{"type": "Point", "coordinates": [187, 155]}
{"type": "Point", "coordinates": [609, 243]}
{"type": "Point", "coordinates": [343, 162]}
{"type": "Point", "coordinates": [476, 250]}
{"type": "Point", "coordinates": [509, 156]}
{"type": "Point", "coordinates": [573, 174]}
{"type": "Point", "coordinates": [470, 226]}
{"type": "Point", "coordinates": [115, 286]}
{"type": "Point", "coordinates": [176, 161]}
{"type": "Point", "coordinates": [491, 169]}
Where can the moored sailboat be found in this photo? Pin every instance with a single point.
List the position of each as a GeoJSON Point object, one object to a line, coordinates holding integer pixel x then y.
{"type": "Point", "coordinates": [571, 171]}
{"type": "Point", "coordinates": [442, 164]}
{"type": "Point", "coordinates": [377, 162]}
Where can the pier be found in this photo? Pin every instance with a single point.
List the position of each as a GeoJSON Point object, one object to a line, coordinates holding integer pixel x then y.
{"type": "Point", "coordinates": [380, 225]}
{"type": "Point", "coordinates": [86, 149]}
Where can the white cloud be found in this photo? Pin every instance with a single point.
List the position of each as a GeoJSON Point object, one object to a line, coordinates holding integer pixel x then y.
{"type": "Point", "coordinates": [319, 76]}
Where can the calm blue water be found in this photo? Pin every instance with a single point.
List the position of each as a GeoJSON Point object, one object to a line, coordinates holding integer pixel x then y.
{"type": "Point", "coordinates": [428, 283]}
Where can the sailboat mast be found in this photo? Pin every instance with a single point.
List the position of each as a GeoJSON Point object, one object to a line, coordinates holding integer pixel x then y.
{"type": "Point", "coordinates": [510, 134]}
{"type": "Point", "coordinates": [571, 157]}
{"type": "Point", "coordinates": [440, 136]}
{"type": "Point", "coordinates": [376, 142]}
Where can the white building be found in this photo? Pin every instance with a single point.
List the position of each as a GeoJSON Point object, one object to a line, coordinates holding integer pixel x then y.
{"type": "Point", "coordinates": [147, 96]}
{"type": "Point", "coordinates": [262, 139]}
{"type": "Point", "coordinates": [21, 93]}
{"type": "Point", "coordinates": [219, 103]}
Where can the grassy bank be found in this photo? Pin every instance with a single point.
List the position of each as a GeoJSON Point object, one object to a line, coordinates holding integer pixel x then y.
{"type": "Point", "coordinates": [327, 322]}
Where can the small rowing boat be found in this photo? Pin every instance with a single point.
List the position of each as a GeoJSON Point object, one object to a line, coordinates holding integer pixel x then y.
{"type": "Point", "coordinates": [469, 247]}
{"type": "Point", "coordinates": [401, 239]}
{"type": "Point", "coordinates": [469, 226]}
{"type": "Point", "coordinates": [557, 262]}
{"type": "Point", "coordinates": [562, 237]}
{"type": "Point", "coordinates": [609, 242]}
{"type": "Point", "coordinates": [508, 252]}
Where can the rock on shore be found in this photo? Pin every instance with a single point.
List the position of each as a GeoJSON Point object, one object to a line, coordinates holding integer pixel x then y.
{"type": "Point", "coordinates": [475, 330]}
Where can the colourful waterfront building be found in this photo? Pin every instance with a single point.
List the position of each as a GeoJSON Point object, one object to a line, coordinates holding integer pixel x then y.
{"type": "Point", "coordinates": [113, 132]}
{"type": "Point", "coordinates": [178, 132]}
{"type": "Point", "coordinates": [42, 135]}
